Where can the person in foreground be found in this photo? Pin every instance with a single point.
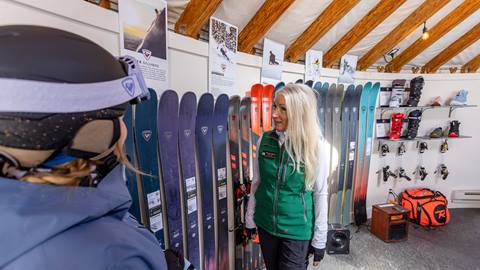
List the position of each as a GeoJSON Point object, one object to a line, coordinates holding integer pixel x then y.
{"type": "Point", "coordinates": [289, 206]}
{"type": "Point", "coordinates": [63, 198]}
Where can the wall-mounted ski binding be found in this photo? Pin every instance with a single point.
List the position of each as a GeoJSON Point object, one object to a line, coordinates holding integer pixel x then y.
{"type": "Point", "coordinates": [422, 146]}
{"type": "Point", "coordinates": [401, 149]}
{"type": "Point", "coordinates": [387, 173]}
{"type": "Point", "coordinates": [422, 172]}
{"type": "Point", "coordinates": [442, 171]}
{"type": "Point", "coordinates": [384, 150]}
{"type": "Point", "coordinates": [444, 147]}
{"type": "Point", "coordinates": [403, 174]}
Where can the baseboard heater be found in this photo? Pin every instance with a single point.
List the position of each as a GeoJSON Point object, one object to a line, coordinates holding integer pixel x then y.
{"type": "Point", "coordinates": [466, 195]}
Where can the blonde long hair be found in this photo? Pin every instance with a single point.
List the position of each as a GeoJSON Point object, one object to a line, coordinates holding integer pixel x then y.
{"type": "Point", "coordinates": [303, 136]}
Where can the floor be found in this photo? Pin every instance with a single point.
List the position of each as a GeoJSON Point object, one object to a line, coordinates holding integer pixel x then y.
{"type": "Point", "coordinates": [454, 246]}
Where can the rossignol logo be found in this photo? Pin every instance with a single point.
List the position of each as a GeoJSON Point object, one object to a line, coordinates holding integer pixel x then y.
{"type": "Point", "coordinates": [204, 130]}
{"type": "Point", "coordinates": [129, 86]}
{"type": "Point", "coordinates": [146, 53]}
{"type": "Point", "coordinates": [220, 128]}
{"type": "Point", "coordinates": [167, 135]}
{"type": "Point", "coordinates": [187, 132]}
{"type": "Point", "coordinates": [147, 135]}
{"type": "Point", "coordinates": [440, 213]}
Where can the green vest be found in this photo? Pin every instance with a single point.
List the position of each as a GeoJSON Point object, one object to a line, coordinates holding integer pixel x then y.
{"type": "Point", "coordinates": [283, 207]}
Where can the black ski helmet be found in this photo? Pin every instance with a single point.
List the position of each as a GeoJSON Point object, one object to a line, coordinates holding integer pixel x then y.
{"type": "Point", "coordinates": [56, 86]}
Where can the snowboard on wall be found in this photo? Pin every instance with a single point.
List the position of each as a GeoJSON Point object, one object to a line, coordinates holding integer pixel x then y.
{"type": "Point", "coordinates": [238, 188]}
{"type": "Point", "coordinates": [309, 83]}
{"type": "Point", "coordinates": [146, 140]}
{"type": "Point", "coordinates": [372, 103]}
{"type": "Point", "coordinates": [220, 119]}
{"type": "Point", "coordinates": [299, 81]}
{"type": "Point", "coordinates": [203, 133]}
{"type": "Point", "coordinates": [351, 157]}
{"type": "Point", "coordinates": [131, 176]}
{"type": "Point", "coordinates": [167, 123]}
{"type": "Point", "coordinates": [186, 139]}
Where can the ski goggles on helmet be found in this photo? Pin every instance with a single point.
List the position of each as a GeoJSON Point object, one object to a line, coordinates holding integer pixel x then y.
{"type": "Point", "coordinates": [50, 97]}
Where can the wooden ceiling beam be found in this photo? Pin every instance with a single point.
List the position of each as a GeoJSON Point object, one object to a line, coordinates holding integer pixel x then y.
{"type": "Point", "coordinates": [455, 17]}
{"type": "Point", "coordinates": [472, 65]}
{"type": "Point", "coordinates": [195, 16]}
{"type": "Point", "coordinates": [328, 18]}
{"type": "Point", "coordinates": [405, 28]}
{"type": "Point", "coordinates": [374, 17]}
{"type": "Point", "coordinates": [455, 48]}
{"type": "Point", "coordinates": [261, 22]}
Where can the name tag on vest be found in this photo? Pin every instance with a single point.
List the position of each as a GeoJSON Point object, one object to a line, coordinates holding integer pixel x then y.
{"type": "Point", "coordinates": [267, 154]}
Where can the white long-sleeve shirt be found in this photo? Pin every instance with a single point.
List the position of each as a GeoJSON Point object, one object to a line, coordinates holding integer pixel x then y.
{"type": "Point", "coordinates": [320, 195]}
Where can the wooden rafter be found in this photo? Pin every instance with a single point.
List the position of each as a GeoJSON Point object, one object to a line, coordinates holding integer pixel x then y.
{"type": "Point", "coordinates": [328, 18]}
{"type": "Point", "coordinates": [374, 17]}
{"type": "Point", "coordinates": [455, 48]}
{"type": "Point", "coordinates": [195, 16]}
{"type": "Point", "coordinates": [259, 25]}
{"type": "Point", "coordinates": [405, 28]}
{"type": "Point", "coordinates": [472, 65]}
{"type": "Point", "coordinates": [455, 17]}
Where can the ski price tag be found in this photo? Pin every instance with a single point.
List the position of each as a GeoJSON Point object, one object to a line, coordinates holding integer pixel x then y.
{"type": "Point", "coordinates": [222, 174]}
{"type": "Point", "coordinates": [222, 192]}
{"type": "Point", "coordinates": [191, 184]}
{"type": "Point", "coordinates": [351, 154]}
{"type": "Point", "coordinates": [368, 148]}
{"type": "Point", "coordinates": [156, 222]}
{"type": "Point", "coordinates": [154, 199]}
{"type": "Point", "coordinates": [192, 204]}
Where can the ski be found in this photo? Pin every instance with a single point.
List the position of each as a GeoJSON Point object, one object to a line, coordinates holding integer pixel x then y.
{"type": "Point", "coordinates": [372, 103]}
{"type": "Point", "coordinates": [322, 91]}
{"type": "Point", "coordinates": [344, 118]}
{"type": "Point", "coordinates": [167, 124]}
{"type": "Point", "coordinates": [328, 138]}
{"type": "Point", "coordinates": [146, 135]}
{"type": "Point", "coordinates": [236, 184]}
{"type": "Point", "coordinates": [131, 176]}
{"type": "Point", "coordinates": [362, 121]}
{"type": "Point", "coordinates": [203, 132]}
{"type": "Point", "coordinates": [352, 148]}
{"type": "Point", "coordinates": [186, 140]}
{"type": "Point", "coordinates": [220, 119]}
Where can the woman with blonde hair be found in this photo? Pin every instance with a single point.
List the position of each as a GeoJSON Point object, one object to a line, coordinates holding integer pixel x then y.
{"type": "Point", "coordinates": [289, 201]}
{"type": "Point", "coordinates": [63, 198]}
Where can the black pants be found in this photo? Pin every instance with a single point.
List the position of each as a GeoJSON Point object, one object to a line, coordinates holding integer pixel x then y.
{"type": "Point", "coordinates": [283, 254]}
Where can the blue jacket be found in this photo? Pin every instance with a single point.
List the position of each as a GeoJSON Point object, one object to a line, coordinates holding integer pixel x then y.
{"type": "Point", "coordinates": [44, 226]}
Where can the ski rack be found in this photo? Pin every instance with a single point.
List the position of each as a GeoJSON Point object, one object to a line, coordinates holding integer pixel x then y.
{"type": "Point", "coordinates": [418, 139]}
{"type": "Point", "coordinates": [451, 108]}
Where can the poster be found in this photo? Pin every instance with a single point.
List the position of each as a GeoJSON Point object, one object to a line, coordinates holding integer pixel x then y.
{"type": "Point", "coordinates": [222, 57]}
{"type": "Point", "coordinates": [313, 64]}
{"type": "Point", "coordinates": [348, 65]}
{"type": "Point", "coordinates": [143, 35]}
{"type": "Point", "coordinates": [272, 63]}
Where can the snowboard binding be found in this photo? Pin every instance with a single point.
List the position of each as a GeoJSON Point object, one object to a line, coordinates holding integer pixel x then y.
{"type": "Point", "coordinates": [384, 150]}
{"type": "Point", "coordinates": [403, 174]}
{"type": "Point", "coordinates": [414, 118]}
{"type": "Point", "coordinates": [442, 171]}
{"type": "Point", "coordinates": [387, 173]}
{"type": "Point", "coordinates": [401, 149]}
{"type": "Point", "coordinates": [444, 147]}
{"type": "Point", "coordinates": [396, 126]}
{"type": "Point", "coordinates": [416, 86]}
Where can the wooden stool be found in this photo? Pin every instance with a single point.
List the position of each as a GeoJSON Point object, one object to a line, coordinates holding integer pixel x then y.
{"type": "Point", "coordinates": [390, 222]}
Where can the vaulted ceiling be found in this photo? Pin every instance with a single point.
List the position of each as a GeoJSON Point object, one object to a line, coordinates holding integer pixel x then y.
{"type": "Point", "coordinates": [366, 28]}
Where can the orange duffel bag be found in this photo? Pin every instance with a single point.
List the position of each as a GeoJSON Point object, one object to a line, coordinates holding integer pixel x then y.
{"type": "Point", "coordinates": [428, 208]}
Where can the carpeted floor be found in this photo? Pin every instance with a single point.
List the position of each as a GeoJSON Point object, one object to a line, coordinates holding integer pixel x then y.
{"type": "Point", "coordinates": [454, 246]}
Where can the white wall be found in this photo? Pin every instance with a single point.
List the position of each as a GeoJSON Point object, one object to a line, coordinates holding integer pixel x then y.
{"type": "Point", "coordinates": [188, 72]}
